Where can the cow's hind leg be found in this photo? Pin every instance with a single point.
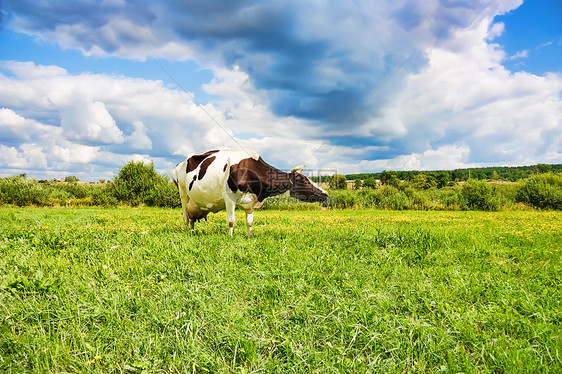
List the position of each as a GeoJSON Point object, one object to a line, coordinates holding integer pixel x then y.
{"type": "Point", "coordinates": [230, 217]}
{"type": "Point", "coordinates": [249, 222]}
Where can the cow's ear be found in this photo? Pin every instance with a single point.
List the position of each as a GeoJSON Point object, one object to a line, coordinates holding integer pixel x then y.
{"type": "Point", "coordinates": [297, 169]}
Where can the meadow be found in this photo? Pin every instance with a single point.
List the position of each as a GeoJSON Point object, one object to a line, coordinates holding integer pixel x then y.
{"type": "Point", "coordinates": [128, 290]}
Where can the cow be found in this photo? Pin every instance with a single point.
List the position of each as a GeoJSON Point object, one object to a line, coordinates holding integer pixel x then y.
{"type": "Point", "coordinates": [230, 178]}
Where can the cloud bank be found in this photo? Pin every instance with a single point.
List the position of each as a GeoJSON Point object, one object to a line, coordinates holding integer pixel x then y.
{"type": "Point", "coordinates": [300, 82]}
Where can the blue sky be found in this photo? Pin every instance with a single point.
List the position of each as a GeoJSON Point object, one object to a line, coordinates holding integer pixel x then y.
{"type": "Point", "coordinates": [534, 32]}
{"type": "Point", "coordinates": [362, 86]}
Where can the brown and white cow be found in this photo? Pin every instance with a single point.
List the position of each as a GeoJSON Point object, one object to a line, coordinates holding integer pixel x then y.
{"type": "Point", "coordinates": [224, 179]}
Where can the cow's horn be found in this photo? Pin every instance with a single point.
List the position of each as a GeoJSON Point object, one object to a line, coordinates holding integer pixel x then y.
{"type": "Point", "coordinates": [297, 169]}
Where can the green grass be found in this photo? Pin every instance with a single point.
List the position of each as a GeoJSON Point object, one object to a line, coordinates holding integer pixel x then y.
{"type": "Point", "coordinates": [128, 290]}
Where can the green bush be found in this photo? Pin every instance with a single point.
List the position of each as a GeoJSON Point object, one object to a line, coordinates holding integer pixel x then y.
{"type": "Point", "coordinates": [446, 198]}
{"type": "Point", "coordinates": [370, 183]}
{"type": "Point", "coordinates": [338, 182]}
{"type": "Point", "coordinates": [386, 197]}
{"type": "Point", "coordinates": [479, 195]}
{"type": "Point", "coordinates": [342, 199]}
{"type": "Point", "coordinates": [418, 200]}
{"type": "Point", "coordinates": [138, 183]}
{"type": "Point", "coordinates": [164, 194]}
{"type": "Point", "coordinates": [80, 191]}
{"type": "Point", "coordinates": [21, 192]}
{"type": "Point", "coordinates": [542, 190]}
{"type": "Point", "coordinates": [390, 197]}
{"type": "Point", "coordinates": [102, 196]}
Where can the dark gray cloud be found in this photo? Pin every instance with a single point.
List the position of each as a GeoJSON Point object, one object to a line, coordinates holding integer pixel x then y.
{"type": "Point", "coordinates": [92, 14]}
{"type": "Point", "coordinates": [83, 21]}
{"type": "Point", "coordinates": [314, 69]}
{"type": "Point", "coordinates": [317, 61]}
{"type": "Point", "coordinates": [307, 73]}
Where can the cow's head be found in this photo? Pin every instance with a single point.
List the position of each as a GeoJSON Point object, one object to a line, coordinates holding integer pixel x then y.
{"type": "Point", "coordinates": [304, 189]}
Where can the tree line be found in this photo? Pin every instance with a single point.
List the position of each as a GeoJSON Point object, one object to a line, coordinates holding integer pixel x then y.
{"type": "Point", "coordinates": [139, 184]}
{"type": "Point", "coordinates": [442, 177]}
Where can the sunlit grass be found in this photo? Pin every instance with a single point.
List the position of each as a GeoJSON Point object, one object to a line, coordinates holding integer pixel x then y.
{"type": "Point", "coordinates": [129, 290]}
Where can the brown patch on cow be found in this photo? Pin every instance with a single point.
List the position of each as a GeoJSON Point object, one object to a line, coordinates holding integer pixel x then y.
{"type": "Point", "coordinates": [259, 178]}
{"type": "Point", "coordinates": [224, 168]}
{"type": "Point", "coordinates": [194, 161]}
{"type": "Point", "coordinates": [204, 165]}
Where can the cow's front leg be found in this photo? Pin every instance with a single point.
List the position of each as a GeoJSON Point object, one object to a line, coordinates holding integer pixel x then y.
{"type": "Point", "coordinates": [249, 222]}
{"type": "Point", "coordinates": [230, 217]}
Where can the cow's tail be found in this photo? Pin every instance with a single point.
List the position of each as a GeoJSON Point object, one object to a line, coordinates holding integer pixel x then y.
{"type": "Point", "coordinates": [174, 179]}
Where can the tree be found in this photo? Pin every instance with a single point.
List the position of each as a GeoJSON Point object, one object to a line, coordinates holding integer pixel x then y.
{"type": "Point", "coordinates": [71, 179]}
{"type": "Point", "coordinates": [138, 183]}
{"type": "Point", "coordinates": [357, 184]}
{"type": "Point", "coordinates": [442, 178]}
{"type": "Point", "coordinates": [542, 190]}
{"type": "Point", "coordinates": [389, 178]}
{"type": "Point", "coordinates": [543, 168]}
{"type": "Point", "coordinates": [338, 182]}
{"type": "Point", "coordinates": [370, 182]}
{"type": "Point", "coordinates": [419, 181]}
{"type": "Point", "coordinates": [479, 195]}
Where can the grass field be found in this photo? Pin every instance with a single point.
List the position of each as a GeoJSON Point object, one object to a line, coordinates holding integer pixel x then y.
{"type": "Point", "coordinates": [128, 290]}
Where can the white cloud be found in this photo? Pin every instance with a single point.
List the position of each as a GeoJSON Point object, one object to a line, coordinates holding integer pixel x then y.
{"type": "Point", "coordinates": [453, 105]}
{"type": "Point", "coordinates": [139, 139]}
{"type": "Point", "coordinates": [75, 153]}
{"type": "Point", "coordinates": [85, 120]}
{"type": "Point", "coordinates": [502, 117]}
{"type": "Point", "coordinates": [29, 156]}
{"type": "Point", "coordinates": [520, 54]}
{"type": "Point", "coordinates": [88, 108]}
{"type": "Point", "coordinates": [447, 157]}
{"type": "Point", "coordinates": [16, 128]}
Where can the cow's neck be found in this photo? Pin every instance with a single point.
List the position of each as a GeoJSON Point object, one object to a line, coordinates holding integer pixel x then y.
{"type": "Point", "coordinates": [278, 183]}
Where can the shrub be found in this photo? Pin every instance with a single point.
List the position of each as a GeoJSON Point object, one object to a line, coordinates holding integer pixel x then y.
{"type": "Point", "coordinates": [418, 200]}
{"type": "Point", "coordinates": [138, 183]}
{"type": "Point", "coordinates": [542, 190]}
{"type": "Point", "coordinates": [390, 197]}
{"type": "Point", "coordinates": [21, 192]}
{"type": "Point", "coordinates": [386, 197]}
{"type": "Point", "coordinates": [338, 182]}
{"type": "Point", "coordinates": [164, 194]}
{"type": "Point", "coordinates": [370, 182]}
{"type": "Point", "coordinates": [479, 195]}
{"type": "Point", "coordinates": [76, 190]}
{"type": "Point", "coordinates": [102, 196]}
{"type": "Point", "coordinates": [342, 199]}
{"type": "Point", "coordinates": [447, 198]}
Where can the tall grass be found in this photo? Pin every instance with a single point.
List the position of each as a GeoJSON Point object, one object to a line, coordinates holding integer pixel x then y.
{"type": "Point", "coordinates": [128, 290]}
